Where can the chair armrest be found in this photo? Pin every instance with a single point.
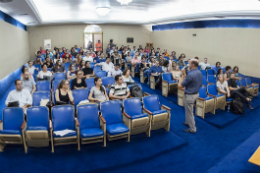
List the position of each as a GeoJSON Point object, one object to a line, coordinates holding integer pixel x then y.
{"type": "Point", "coordinates": [23, 125]}
{"type": "Point", "coordinates": [102, 119]}
{"type": "Point", "coordinates": [110, 98]}
{"type": "Point", "coordinates": [222, 92]}
{"type": "Point", "coordinates": [255, 84]}
{"type": "Point", "coordinates": [72, 102]}
{"type": "Point", "coordinates": [77, 122]}
{"type": "Point", "coordinates": [164, 81]}
{"type": "Point", "coordinates": [166, 107]}
{"type": "Point", "coordinates": [149, 112]}
{"type": "Point", "coordinates": [146, 94]}
{"type": "Point", "coordinates": [201, 99]}
{"type": "Point", "coordinates": [212, 95]}
{"type": "Point", "coordinates": [141, 70]}
{"type": "Point", "coordinates": [244, 86]}
{"type": "Point", "coordinates": [127, 116]}
{"type": "Point", "coordinates": [92, 101]}
{"type": "Point", "coordinates": [180, 88]}
{"type": "Point", "coordinates": [50, 124]}
{"type": "Point", "coordinates": [211, 83]}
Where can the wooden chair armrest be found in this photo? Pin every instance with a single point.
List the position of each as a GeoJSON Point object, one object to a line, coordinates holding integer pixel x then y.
{"type": "Point", "coordinates": [92, 101]}
{"type": "Point", "coordinates": [149, 112]}
{"type": "Point", "coordinates": [141, 70]}
{"type": "Point", "coordinates": [50, 124]}
{"type": "Point", "coordinates": [201, 99]}
{"type": "Point", "coordinates": [244, 86]}
{"type": "Point", "coordinates": [77, 122]}
{"type": "Point", "coordinates": [166, 107]}
{"type": "Point", "coordinates": [222, 92]}
{"type": "Point", "coordinates": [72, 102]}
{"type": "Point", "coordinates": [110, 98]}
{"type": "Point", "coordinates": [164, 81]}
{"type": "Point", "coordinates": [127, 116]}
{"type": "Point", "coordinates": [23, 125]}
{"type": "Point", "coordinates": [211, 83]}
{"type": "Point", "coordinates": [255, 83]}
{"type": "Point", "coordinates": [102, 119]}
{"type": "Point", "coordinates": [212, 95]}
{"type": "Point", "coordinates": [147, 94]}
{"type": "Point", "coordinates": [180, 88]}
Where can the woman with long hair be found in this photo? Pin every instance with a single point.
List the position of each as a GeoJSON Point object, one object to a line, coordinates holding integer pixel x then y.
{"type": "Point", "coordinates": [126, 76]}
{"type": "Point", "coordinates": [176, 73]}
{"type": "Point", "coordinates": [223, 85]}
{"type": "Point", "coordinates": [78, 59]}
{"type": "Point", "coordinates": [165, 67]}
{"type": "Point", "coordinates": [236, 71]}
{"type": "Point", "coordinates": [71, 72]}
{"type": "Point", "coordinates": [57, 57]}
{"type": "Point", "coordinates": [63, 92]}
{"type": "Point", "coordinates": [220, 72]}
{"type": "Point", "coordinates": [58, 67]}
{"type": "Point", "coordinates": [81, 65]}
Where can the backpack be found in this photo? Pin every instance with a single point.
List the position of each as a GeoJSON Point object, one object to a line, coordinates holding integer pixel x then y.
{"type": "Point", "coordinates": [136, 91]}
{"type": "Point", "coordinates": [237, 107]}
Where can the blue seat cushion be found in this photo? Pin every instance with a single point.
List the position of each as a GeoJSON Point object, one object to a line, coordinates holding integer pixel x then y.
{"type": "Point", "coordinates": [139, 116]}
{"type": "Point", "coordinates": [74, 133]}
{"type": "Point", "coordinates": [208, 98]}
{"type": "Point", "coordinates": [115, 129]}
{"type": "Point", "coordinates": [256, 86]}
{"type": "Point", "coordinates": [229, 99]}
{"type": "Point", "coordinates": [172, 81]}
{"type": "Point", "coordinates": [37, 128]}
{"type": "Point", "coordinates": [90, 133]}
{"type": "Point", "coordinates": [11, 132]}
{"type": "Point", "coordinates": [159, 112]}
{"type": "Point", "coordinates": [219, 95]}
{"type": "Point", "coordinates": [249, 86]}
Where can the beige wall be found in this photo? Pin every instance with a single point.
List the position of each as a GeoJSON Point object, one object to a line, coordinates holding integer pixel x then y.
{"type": "Point", "coordinates": [230, 46]}
{"type": "Point", "coordinates": [14, 48]}
{"type": "Point", "coordinates": [69, 35]}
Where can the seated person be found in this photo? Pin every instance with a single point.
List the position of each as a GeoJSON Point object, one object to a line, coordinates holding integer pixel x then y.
{"type": "Point", "coordinates": [63, 92]}
{"type": "Point", "coordinates": [88, 57]}
{"type": "Point", "coordinates": [39, 55]}
{"type": "Point", "coordinates": [236, 71]}
{"type": "Point", "coordinates": [106, 66]}
{"type": "Point", "coordinates": [21, 95]}
{"type": "Point", "coordinates": [66, 54]}
{"type": "Point", "coordinates": [152, 61]}
{"type": "Point", "coordinates": [97, 57]}
{"type": "Point", "coordinates": [144, 66]}
{"type": "Point", "coordinates": [223, 86]}
{"type": "Point", "coordinates": [127, 77]}
{"type": "Point", "coordinates": [73, 52]}
{"type": "Point", "coordinates": [180, 62]}
{"type": "Point", "coordinates": [71, 72]}
{"type": "Point", "coordinates": [115, 71]}
{"type": "Point", "coordinates": [45, 74]}
{"type": "Point", "coordinates": [37, 61]}
{"type": "Point", "coordinates": [161, 60]}
{"type": "Point", "coordinates": [48, 62]}
{"type": "Point", "coordinates": [98, 91]}
{"type": "Point", "coordinates": [176, 73]}
{"type": "Point", "coordinates": [31, 68]}
{"type": "Point", "coordinates": [78, 59]}
{"type": "Point", "coordinates": [28, 83]}
{"type": "Point", "coordinates": [128, 58]}
{"type": "Point", "coordinates": [135, 60]}
{"type": "Point", "coordinates": [79, 82]}
{"type": "Point", "coordinates": [57, 57]}
{"type": "Point", "coordinates": [204, 65]}
{"type": "Point", "coordinates": [236, 91]}
{"type": "Point", "coordinates": [58, 67]}
{"type": "Point", "coordinates": [174, 65]}
{"type": "Point", "coordinates": [220, 72]}
{"type": "Point", "coordinates": [65, 60]}
{"type": "Point", "coordinates": [119, 91]}
{"type": "Point", "coordinates": [41, 51]}
{"type": "Point", "coordinates": [88, 72]}
{"type": "Point", "coordinates": [25, 69]}
{"type": "Point", "coordinates": [227, 74]}
{"type": "Point", "coordinates": [217, 67]}
{"type": "Point", "coordinates": [81, 65]}
{"type": "Point", "coordinates": [166, 67]}
{"type": "Point", "coordinates": [101, 58]}
{"type": "Point", "coordinates": [155, 70]}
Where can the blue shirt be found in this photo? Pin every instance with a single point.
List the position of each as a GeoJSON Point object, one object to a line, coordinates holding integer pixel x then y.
{"type": "Point", "coordinates": [154, 69]}
{"type": "Point", "coordinates": [42, 58]}
{"type": "Point", "coordinates": [216, 69]}
{"type": "Point", "coordinates": [193, 81]}
{"type": "Point", "coordinates": [99, 60]}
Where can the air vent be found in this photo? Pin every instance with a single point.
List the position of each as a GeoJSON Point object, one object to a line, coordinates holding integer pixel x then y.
{"type": "Point", "coordinates": [5, 1]}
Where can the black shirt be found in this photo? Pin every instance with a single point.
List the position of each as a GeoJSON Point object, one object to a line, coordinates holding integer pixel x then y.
{"type": "Point", "coordinates": [49, 66]}
{"type": "Point", "coordinates": [142, 65]}
{"type": "Point", "coordinates": [78, 85]}
{"type": "Point", "coordinates": [87, 71]}
{"type": "Point", "coordinates": [232, 83]}
{"type": "Point", "coordinates": [74, 54]}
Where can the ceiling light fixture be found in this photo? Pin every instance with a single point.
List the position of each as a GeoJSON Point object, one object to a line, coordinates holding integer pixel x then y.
{"type": "Point", "coordinates": [124, 2]}
{"type": "Point", "coordinates": [103, 11]}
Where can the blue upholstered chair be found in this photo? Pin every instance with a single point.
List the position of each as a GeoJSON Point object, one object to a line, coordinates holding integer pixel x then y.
{"type": "Point", "coordinates": [142, 75]}
{"type": "Point", "coordinates": [211, 80]}
{"type": "Point", "coordinates": [55, 84]}
{"type": "Point", "coordinates": [159, 115]}
{"type": "Point", "coordinates": [48, 69]}
{"type": "Point", "coordinates": [66, 65]}
{"type": "Point", "coordinates": [220, 99]}
{"type": "Point", "coordinates": [168, 84]}
{"type": "Point", "coordinates": [204, 81]}
{"type": "Point", "coordinates": [63, 119]}
{"type": "Point", "coordinates": [38, 123]}
{"type": "Point", "coordinates": [210, 72]}
{"type": "Point", "coordinates": [198, 67]}
{"type": "Point", "coordinates": [238, 83]}
{"type": "Point", "coordinates": [135, 69]}
{"type": "Point", "coordinates": [92, 128]}
{"type": "Point", "coordinates": [60, 76]}
{"type": "Point", "coordinates": [254, 85]}
{"type": "Point", "coordinates": [249, 88]}
{"type": "Point", "coordinates": [80, 95]}
{"type": "Point", "coordinates": [116, 128]}
{"type": "Point", "coordinates": [43, 86]}
{"type": "Point", "coordinates": [39, 95]}
{"type": "Point", "coordinates": [96, 69]}
{"type": "Point", "coordinates": [204, 103]}
{"type": "Point", "coordinates": [90, 83]}
{"type": "Point", "coordinates": [92, 64]}
{"type": "Point", "coordinates": [101, 74]}
{"type": "Point", "coordinates": [12, 127]}
{"type": "Point", "coordinates": [108, 81]}
{"type": "Point", "coordinates": [203, 73]}
{"type": "Point", "coordinates": [139, 121]}
{"type": "Point", "coordinates": [38, 66]}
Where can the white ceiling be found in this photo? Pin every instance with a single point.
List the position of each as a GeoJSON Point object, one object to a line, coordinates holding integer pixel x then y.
{"type": "Point", "coordinates": [136, 12]}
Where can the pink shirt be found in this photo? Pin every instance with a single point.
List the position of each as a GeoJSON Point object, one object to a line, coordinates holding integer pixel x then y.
{"type": "Point", "coordinates": [136, 61]}
{"type": "Point", "coordinates": [147, 50]}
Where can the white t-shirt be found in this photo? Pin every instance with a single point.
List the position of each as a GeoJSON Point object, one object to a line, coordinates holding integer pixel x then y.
{"type": "Point", "coordinates": [106, 67]}
{"type": "Point", "coordinates": [89, 58]}
{"type": "Point", "coordinates": [203, 65]}
{"type": "Point", "coordinates": [31, 70]}
{"type": "Point", "coordinates": [41, 74]}
{"type": "Point", "coordinates": [222, 86]}
{"type": "Point", "coordinates": [23, 96]}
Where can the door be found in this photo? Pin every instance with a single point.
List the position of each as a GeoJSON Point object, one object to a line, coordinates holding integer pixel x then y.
{"type": "Point", "coordinates": [88, 38]}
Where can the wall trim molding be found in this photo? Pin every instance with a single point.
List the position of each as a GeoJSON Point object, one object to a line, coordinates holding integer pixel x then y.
{"type": "Point", "coordinates": [5, 17]}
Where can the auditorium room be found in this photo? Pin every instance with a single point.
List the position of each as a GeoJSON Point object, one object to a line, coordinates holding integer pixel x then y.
{"type": "Point", "coordinates": [124, 86]}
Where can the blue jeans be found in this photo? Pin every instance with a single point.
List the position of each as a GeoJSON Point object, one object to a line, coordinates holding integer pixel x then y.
{"type": "Point", "coordinates": [146, 73]}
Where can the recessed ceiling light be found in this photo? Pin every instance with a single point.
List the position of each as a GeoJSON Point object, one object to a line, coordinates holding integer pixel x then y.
{"type": "Point", "coordinates": [103, 11]}
{"type": "Point", "coordinates": [124, 2]}
{"type": "Point", "coordinates": [5, 1]}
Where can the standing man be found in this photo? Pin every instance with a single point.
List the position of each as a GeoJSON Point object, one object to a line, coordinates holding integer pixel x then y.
{"type": "Point", "coordinates": [192, 83]}
{"type": "Point", "coordinates": [98, 46]}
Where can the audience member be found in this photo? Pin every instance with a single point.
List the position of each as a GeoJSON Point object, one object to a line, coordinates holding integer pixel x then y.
{"type": "Point", "coordinates": [79, 82]}
{"type": "Point", "coordinates": [88, 58]}
{"type": "Point", "coordinates": [73, 52]}
{"type": "Point", "coordinates": [146, 50]}
{"type": "Point", "coordinates": [48, 62]}
{"type": "Point", "coordinates": [37, 61]}
{"type": "Point", "coordinates": [217, 67]}
{"type": "Point", "coordinates": [152, 61]}
{"type": "Point", "coordinates": [119, 90]}
{"type": "Point", "coordinates": [101, 59]}
{"type": "Point", "coordinates": [106, 66]}
{"type": "Point", "coordinates": [161, 60]}
{"type": "Point", "coordinates": [236, 72]}
{"type": "Point", "coordinates": [180, 62]}
{"type": "Point", "coordinates": [115, 71]}
{"type": "Point", "coordinates": [173, 55]}
{"type": "Point", "coordinates": [176, 73]}
{"type": "Point", "coordinates": [220, 72]}
{"type": "Point", "coordinates": [66, 54]}
{"type": "Point", "coordinates": [45, 74]}
{"type": "Point", "coordinates": [58, 67]}
{"type": "Point", "coordinates": [223, 85]}
{"type": "Point", "coordinates": [128, 58]}
{"type": "Point", "coordinates": [98, 45]}
{"type": "Point", "coordinates": [28, 83]}
{"type": "Point", "coordinates": [144, 65]}
{"type": "Point", "coordinates": [155, 70]}
{"type": "Point", "coordinates": [174, 64]}
{"type": "Point", "coordinates": [81, 65]}
{"type": "Point", "coordinates": [112, 50]}
{"type": "Point", "coordinates": [39, 55]}
{"type": "Point", "coordinates": [165, 67]}
{"type": "Point", "coordinates": [88, 72]}
{"type": "Point", "coordinates": [57, 57]}
{"type": "Point", "coordinates": [204, 65]}
{"type": "Point", "coordinates": [166, 53]}
{"type": "Point", "coordinates": [135, 60]}
{"type": "Point", "coordinates": [96, 57]}
{"type": "Point", "coordinates": [108, 49]}
{"type": "Point", "coordinates": [134, 50]}
{"type": "Point", "coordinates": [31, 68]}
{"type": "Point", "coordinates": [227, 74]}
{"type": "Point", "coordinates": [63, 92]}
{"type": "Point", "coordinates": [78, 59]}
{"type": "Point", "coordinates": [127, 77]}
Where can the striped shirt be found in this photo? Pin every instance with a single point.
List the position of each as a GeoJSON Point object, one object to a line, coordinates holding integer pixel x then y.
{"type": "Point", "coordinates": [117, 90]}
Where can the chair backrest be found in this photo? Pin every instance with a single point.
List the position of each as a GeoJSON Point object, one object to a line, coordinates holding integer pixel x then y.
{"type": "Point", "coordinates": [96, 69]}
{"type": "Point", "coordinates": [238, 83]}
{"type": "Point", "coordinates": [212, 89]}
{"type": "Point", "coordinates": [66, 65]}
{"type": "Point", "coordinates": [43, 86]}
{"type": "Point", "coordinates": [53, 97]}
{"type": "Point", "coordinates": [132, 54]}
{"type": "Point", "coordinates": [111, 111]}
{"type": "Point", "coordinates": [89, 119]}
{"type": "Point", "coordinates": [137, 69]}
{"type": "Point", "coordinates": [48, 69]}
{"type": "Point", "coordinates": [203, 92]}
{"type": "Point", "coordinates": [152, 103]}
{"type": "Point", "coordinates": [186, 62]}
{"type": "Point", "coordinates": [108, 81]}
{"type": "Point", "coordinates": [60, 76]}
{"type": "Point", "coordinates": [198, 67]}
{"type": "Point", "coordinates": [71, 84]}
{"type": "Point", "coordinates": [211, 79]}
{"type": "Point", "coordinates": [203, 73]}
{"type": "Point", "coordinates": [36, 72]}
{"type": "Point", "coordinates": [167, 76]}
{"type": "Point", "coordinates": [90, 83]}
{"type": "Point", "coordinates": [140, 86]}
{"type": "Point", "coordinates": [248, 81]}
{"type": "Point", "coordinates": [133, 106]}
{"type": "Point", "coordinates": [38, 66]}
{"type": "Point", "coordinates": [210, 72]}
{"type": "Point", "coordinates": [63, 117]}
{"type": "Point", "coordinates": [55, 84]}
{"type": "Point", "coordinates": [38, 117]}
{"type": "Point", "coordinates": [12, 118]}
{"type": "Point", "coordinates": [80, 95]}
{"type": "Point", "coordinates": [243, 82]}
{"type": "Point", "coordinates": [181, 67]}
{"type": "Point", "coordinates": [101, 74]}
{"type": "Point", "coordinates": [120, 52]}
{"type": "Point", "coordinates": [204, 81]}
{"type": "Point", "coordinates": [167, 58]}
{"type": "Point", "coordinates": [39, 95]}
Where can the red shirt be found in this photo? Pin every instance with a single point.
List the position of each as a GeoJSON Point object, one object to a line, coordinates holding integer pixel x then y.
{"type": "Point", "coordinates": [42, 51]}
{"type": "Point", "coordinates": [63, 56]}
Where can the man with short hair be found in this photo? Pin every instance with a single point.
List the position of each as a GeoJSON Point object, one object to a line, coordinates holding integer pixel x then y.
{"type": "Point", "coordinates": [38, 61]}
{"type": "Point", "coordinates": [155, 70]}
{"type": "Point", "coordinates": [204, 65]}
{"type": "Point", "coordinates": [192, 84]}
{"type": "Point", "coordinates": [119, 90]}
{"type": "Point", "coordinates": [133, 50]}
{"type": "Point", "coordinates": [28, 83]}
{"type": "Point", "coordinates": [115, 71]}
{"type": "Point", "coordinates": [48, 62]}
{"type": "Point", "coordinates": [180, 62]}
{"type": "Point", "coordinates": [101, 58]}
{"type": "Point", "coordinates": [97, 56]}
{"type": "Point", "coordinates": [98, 45]}
{"type": "Point", "coordinates": [42, 51]}
{"type": "Point", "coordinates": [40, 56]}
{"type": "Point", "coordinates": [106, 66]}
{"type": "Point", "coordinates": [112, 50]}
{"type": "Point", "coordinates": [161, 60]}
{"type": "Point", "coordinates": [121, 48]}
{"type": "Point", "coordinates": [76, 48]}
{"type": "Point", "coordinates": [21, 95]}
